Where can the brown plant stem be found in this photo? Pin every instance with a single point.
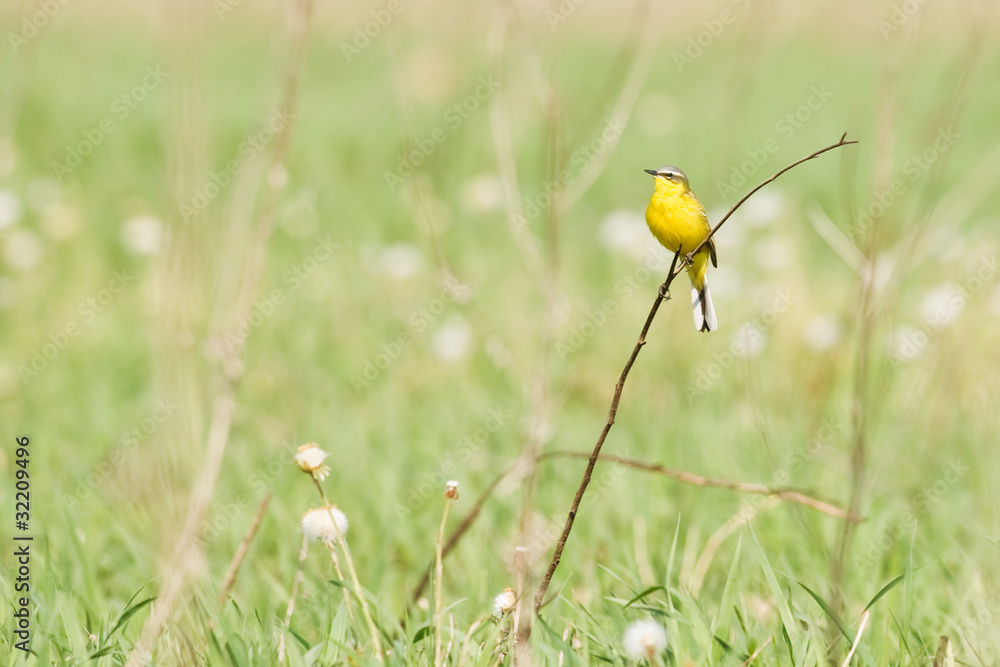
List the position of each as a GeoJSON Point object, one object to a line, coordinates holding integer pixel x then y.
{"type": "Point", "coordinates": [290, 609]}
{"type": "Point", "coordinates": [790, 495]}
{"type": "Point", "coordinates": [241, 552]}
{"type": "Point", "coordinates": [439, 581]}
{"type": "Point", "coordinates": [333, 552]}
{"type": "Point", "coordinates": [457, 534]}
{"type": "Point", "coordinates": [360, 593]}
{"type": "Point", "coordinates": [187, 548]}
{"type": "Point", "coordinates": [662, 294]}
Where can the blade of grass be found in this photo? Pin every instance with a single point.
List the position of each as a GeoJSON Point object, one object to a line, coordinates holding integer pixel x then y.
{"type": "Point", "coordinates": [237, 651]}
{"type": "Point", "coordinates": [640, 596]}
{"type": "Point", "coordinates": [702, 633]}
{"type": "Point", "coordinates": [721, 619]}
{"type": "Point", "coordinates": [672, 625]}
{"type": "Point", "coordinates": [788, 642]}
{"type": "Point", "coordinates": [772, 581]}
{"type": "Point", "coordinates": [828, 610]}
{"type": "Point", "coordinates": [129, 613]}
{"type": "Point", "coordinates": [885, 589]}
{"type": "Point", "coordinates": [725, 603]}
{"type": "Point", "coordinates": [908, 592]}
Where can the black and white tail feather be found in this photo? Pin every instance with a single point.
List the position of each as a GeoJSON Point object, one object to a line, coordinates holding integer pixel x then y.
{"type": "Point", "coordinates": [704, 311]}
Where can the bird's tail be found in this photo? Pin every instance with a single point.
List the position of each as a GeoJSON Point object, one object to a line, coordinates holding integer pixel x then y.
{"type": "Point", "coordinates": [704, 311]}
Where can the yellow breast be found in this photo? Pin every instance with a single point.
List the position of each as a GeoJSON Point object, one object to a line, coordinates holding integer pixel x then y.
{"type": "Point", "coordinates": [677, 219]}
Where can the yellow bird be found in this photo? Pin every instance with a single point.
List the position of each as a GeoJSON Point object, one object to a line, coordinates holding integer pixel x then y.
{"type": "Point", "coordinates": [677, 220]}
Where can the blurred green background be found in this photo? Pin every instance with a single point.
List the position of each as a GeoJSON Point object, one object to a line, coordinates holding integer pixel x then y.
{"type": "Point", "coordinates": [458, 269]}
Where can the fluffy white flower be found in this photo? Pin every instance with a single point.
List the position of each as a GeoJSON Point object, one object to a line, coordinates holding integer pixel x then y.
{"type": "Point", "coordinates": [61, 222]}
{"type": "Point", "coordinates": [451, 489]}
{"type": "Point", "coordinates": [142, 234]}
{"type": "Point", "coordinates": [10, 209]}
{"type": "Point", "coordinates": [483, 193]}
{"type": "Point", "coordinates": [310, 459]}
{"type": "Point", "coordinates": [625, 231]}
{"type": "Point", "coordinates": [645, 640]}
{"type": "Point", "coordinates": [762, 209]}
{"type": "Point", "coordinates": [942, 305]}
{"type": "Point", "coordinates": [821, 332]}
{"type": "Point", "coordinates": [748, 341]}
{"type": "Point", "coordinates": [504, 603]}
{"type": "Point", "coordinates": [400, 261]}
{"type": "Point", "coordinates": [774, 253]}
{"type": "Point", "coordinates": [452, 341]}
{"type": "Point", "coordinates": [324, 524]}
{"type": "Point", "coordinates": [22, 250]}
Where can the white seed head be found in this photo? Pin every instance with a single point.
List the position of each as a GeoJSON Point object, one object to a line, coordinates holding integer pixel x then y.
{"type": "Point", "coordinates": [504, 603]}
{"type": "Point", "coordinates": [451, 490]}
{"type": "Point", "coordinates": [324, 524]}
{"type": "Point", "coordinates": [310, 459]}
{"type": "Point", "coordinates": [453, 340]}
{"type": "Point", "coordinates": [645, 640]}
{"type": "Point", "coordinates": [142, 234]}
{"type": "Point", "coordinates": [821, 332]}
{"type": "Point", "coordinates": [10, 209]}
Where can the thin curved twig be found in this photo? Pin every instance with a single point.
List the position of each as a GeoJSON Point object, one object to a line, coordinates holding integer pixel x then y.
{"type": "Point", "coordinates": [662, 294]}
{"type": "Point", "coordinates": [791, 495]}
{"type": "Point", "coordinates": [470, 518]}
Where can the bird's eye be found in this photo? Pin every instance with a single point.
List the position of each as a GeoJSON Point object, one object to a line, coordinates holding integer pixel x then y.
{"type": "Point", "coordinates": [668, 176]}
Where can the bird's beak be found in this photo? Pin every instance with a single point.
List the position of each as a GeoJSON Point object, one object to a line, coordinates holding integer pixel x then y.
{"type": "Point", "coordinates": [651, 172]}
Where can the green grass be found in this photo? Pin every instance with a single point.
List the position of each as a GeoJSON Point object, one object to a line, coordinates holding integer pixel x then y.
{"type": "Point", "coordinates": [107, 506]}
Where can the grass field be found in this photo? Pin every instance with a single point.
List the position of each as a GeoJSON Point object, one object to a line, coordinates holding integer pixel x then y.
{"type": "Point", "coordinates": [414, 235]}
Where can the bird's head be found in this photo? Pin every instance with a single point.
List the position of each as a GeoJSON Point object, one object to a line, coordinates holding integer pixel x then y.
{"type": "Point", "coordinates": [669, 179]}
